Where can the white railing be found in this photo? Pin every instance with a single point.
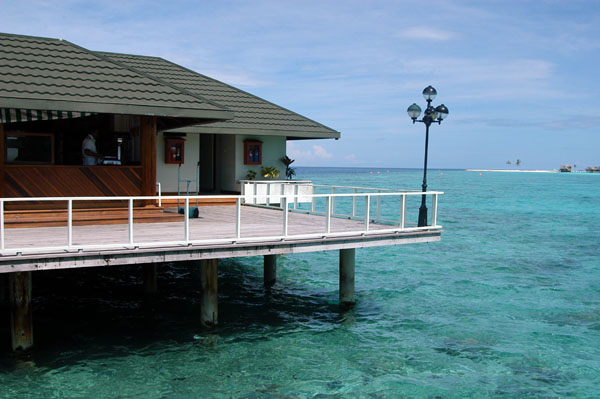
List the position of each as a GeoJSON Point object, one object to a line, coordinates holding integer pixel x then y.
{"type": "Point", "coordinates": [318, 204]}
{"type": "Point", "coordinates": [267, 193]}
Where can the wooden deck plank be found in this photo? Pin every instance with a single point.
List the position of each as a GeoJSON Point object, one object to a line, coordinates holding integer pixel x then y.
{"type": "Point", "coordinates": [215, 222]}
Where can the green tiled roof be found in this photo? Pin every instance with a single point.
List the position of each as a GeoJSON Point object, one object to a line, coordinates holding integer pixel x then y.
{"type": "Point", "coordinates": [50, 74]}
{"type": "Point", "coordinates": [253, 115]}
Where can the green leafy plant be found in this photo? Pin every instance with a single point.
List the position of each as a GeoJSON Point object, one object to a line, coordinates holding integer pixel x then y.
{"type": "Point", "coordinates": [289, 172]}
{"type": "Point", "coordinates": [251, 175]}
{"type": "Point", "coordinates": [269, 172]}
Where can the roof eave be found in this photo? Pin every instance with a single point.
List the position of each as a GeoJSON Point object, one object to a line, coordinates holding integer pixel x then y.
{"type": "Point", "coordinates": [290, 134]}
{"type": "Point", "coordinates": [123, 109]}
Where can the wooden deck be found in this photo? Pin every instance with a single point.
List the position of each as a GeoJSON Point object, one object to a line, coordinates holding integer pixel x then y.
{"type": "Point", "coordinates": [215, 223]}
{"type": "Point", "coordinates": [34, 218]}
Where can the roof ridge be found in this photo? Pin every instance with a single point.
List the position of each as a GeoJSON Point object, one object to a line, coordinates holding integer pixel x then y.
{"type": "Point", "coordinates": [105, 58]}
{"type": "Point", "coordinates": [114, 62]}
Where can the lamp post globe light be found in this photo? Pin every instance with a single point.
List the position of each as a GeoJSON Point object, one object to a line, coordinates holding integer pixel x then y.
{"type": "Point", "coordinates": [431, 115]}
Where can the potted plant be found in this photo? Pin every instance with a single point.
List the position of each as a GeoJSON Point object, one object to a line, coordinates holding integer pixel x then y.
{"type": "Point", "coordinates": [269, 172]}
{"type": "Point", "coordinates": [289, 172]}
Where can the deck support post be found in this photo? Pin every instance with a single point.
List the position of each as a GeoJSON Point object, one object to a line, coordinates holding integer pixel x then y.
{"type": "Point", "coordinates": [150, 284]}
{"type": "Point", "coordinates": [347, 261]}
{"type": "Point", "coordinates": [3, 289]}
{"type": "Point", "coordinates": [21, 318]}
{"type": "Point", "coordinates": [208, 303]}
{"type": "Point", "coordinates": [270, 270]}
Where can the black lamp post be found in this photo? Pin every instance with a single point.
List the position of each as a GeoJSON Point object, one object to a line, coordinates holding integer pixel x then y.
{"type": "Point", "coordinates": [430, 116]}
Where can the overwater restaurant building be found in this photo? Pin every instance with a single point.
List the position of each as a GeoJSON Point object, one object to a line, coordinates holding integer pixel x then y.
{"type": "Point", "coordinates": [54, 93]}
{"type": "Point", "coordinates": [160, 129]}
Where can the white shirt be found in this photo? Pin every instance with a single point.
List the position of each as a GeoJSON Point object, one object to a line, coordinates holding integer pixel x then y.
{"type": "Point", "coordinates": [89, 143]}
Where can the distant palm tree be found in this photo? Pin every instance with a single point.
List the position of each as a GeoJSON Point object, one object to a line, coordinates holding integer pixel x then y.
{"type": "Point", "coordinates": [508, 162]}
{"type": "Point", "coordinates": [518, 163]}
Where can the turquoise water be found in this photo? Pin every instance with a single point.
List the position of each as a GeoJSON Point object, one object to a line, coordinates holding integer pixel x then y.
{"type": "Point", "coordinates": [507, 305]}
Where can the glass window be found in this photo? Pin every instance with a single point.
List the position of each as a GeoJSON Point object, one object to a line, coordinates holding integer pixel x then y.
{"type": "Point", "coordinates": [29, 148]}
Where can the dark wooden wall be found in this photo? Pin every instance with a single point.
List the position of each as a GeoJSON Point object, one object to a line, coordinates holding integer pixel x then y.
{"type": "Point", "coordinates": [85, 181]}
{"type": "Point", "coordinates": [71, 181]}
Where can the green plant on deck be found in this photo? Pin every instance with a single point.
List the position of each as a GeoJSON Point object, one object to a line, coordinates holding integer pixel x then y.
{"type": "Point", "coordinates": [269, 172]}
{"type": "Point", "coordinates": [289, 172]}
{"type": "Point", "coordinates": [251, 175]}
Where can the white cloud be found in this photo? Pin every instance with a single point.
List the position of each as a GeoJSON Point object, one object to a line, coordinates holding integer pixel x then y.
{"type": "Point", "coordinates": [427, 33]}
{"type": "Point", "coordinates": [314, 153]}
{"type": "Point", "coordinates": [321, 152]}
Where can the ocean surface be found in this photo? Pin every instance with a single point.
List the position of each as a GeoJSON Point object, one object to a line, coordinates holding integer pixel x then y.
{"type": "Point", "coordinates": [507, 305]}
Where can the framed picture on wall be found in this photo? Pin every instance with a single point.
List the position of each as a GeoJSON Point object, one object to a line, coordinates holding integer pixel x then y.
{"type": "Point", "coordinates": [252, 152]}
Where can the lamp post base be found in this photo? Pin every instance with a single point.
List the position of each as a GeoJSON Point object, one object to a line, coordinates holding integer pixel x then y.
{"type": "Point", "coordinates": [422, 216]}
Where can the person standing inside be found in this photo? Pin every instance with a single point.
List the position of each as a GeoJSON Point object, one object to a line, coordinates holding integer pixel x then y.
{"type": "Point", "coordinates": [89, 153]}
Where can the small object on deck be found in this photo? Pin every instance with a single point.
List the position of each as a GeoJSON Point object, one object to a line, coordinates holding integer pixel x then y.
{"type": "Point", "coordinates": [193, 212]}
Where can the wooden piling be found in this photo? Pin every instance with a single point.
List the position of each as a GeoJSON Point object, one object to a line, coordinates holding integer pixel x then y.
{"type": "Point", "coordinates": [347, 261]}
{"type": "Point", "coordinates": [150, 282]}
{"type": "Point", "coordinates": [209, 304]}
{"type": "Point", "coordinates": [3, 289]}
{"type": "Point", "coordinates": [270, 270]}
{"type": "Point", "coordinates": [21, 318]}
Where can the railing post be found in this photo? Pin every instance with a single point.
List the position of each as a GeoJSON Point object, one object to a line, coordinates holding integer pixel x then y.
{"type": "Point", "coordinates": [2, 224]}
{"type": "Point", "coordinates": [130, 220]}
{"type": "Point", "coordinates": [186, 223]}
{"type": "Point", "coordinates": [402, 210]}
{"type": "Point", "coordinates": [296, 190]}
{"type": "Point", "coordinates": [254, 191]}
{"type": "Point", "coordinates": [238, 218]}
{"type": "Point", "coordinates": [328, 214]}
{"type": "Point", "coordinates": [268, 199]}
{"type": "Point", "coordinates": [354, 202]}
{"type": "Point", "coordinates": [70, 223]}
{"type": "Point", "coordinates": [333, 191]}
{"type": "Point", "coordinates": [434, 210]}
{"type": "Point", "coordinates": [378, 210]}
{"type": "Point", "coordinates": [314, 199]}
{"type": "Point", "coordinates": [159, 194]}
{"type": "Point", "coordinates": [367, 211]}
{"type": "Point", "coordinates": [284, 205]}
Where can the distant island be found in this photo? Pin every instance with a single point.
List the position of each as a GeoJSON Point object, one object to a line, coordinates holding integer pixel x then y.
{"type": "Point", "coordinates": [513, 170]}
{"type": "Point", "coordinates": [563, 169]}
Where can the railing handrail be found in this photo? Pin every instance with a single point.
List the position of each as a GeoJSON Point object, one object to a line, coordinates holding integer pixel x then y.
{"type": "Point", "coordinates": [283, 201]}
{"type": "Point", "coordinates": [193, 197]}
{"type": "Point", "coordinates": [323, 185]}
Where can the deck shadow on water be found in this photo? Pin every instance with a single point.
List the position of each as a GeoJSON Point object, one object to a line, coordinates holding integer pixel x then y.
{"type": "Point", "coordinates": [107, 309]}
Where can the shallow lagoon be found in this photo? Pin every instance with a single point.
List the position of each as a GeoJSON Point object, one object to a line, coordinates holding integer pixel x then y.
{"type": "Point", "coordinates": [505, 306]}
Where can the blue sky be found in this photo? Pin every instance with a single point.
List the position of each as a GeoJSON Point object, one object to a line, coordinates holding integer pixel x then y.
{"type": "Point", "coordinates": [519, 77]}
